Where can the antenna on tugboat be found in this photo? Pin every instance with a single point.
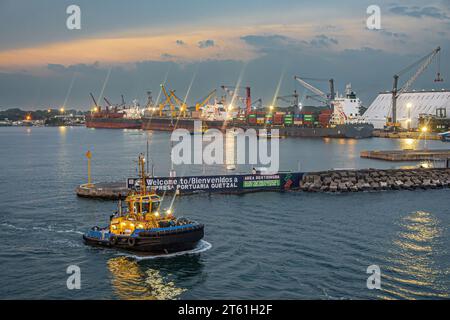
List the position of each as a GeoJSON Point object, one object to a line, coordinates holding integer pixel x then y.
{"type": "Point", "coordinates": [142, 174]}
{"type": "Point", "coordinates": [89, 156]}
{"type": "Point", "coordinates": [147, 153]}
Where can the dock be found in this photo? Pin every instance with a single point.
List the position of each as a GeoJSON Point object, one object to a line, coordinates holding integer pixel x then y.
{"type": "Point", "coordinates": [103, 190]}
{"type": "Point", "coordinates": [407, 155]}
{"type": "Point", "coordinates": [406, 135]}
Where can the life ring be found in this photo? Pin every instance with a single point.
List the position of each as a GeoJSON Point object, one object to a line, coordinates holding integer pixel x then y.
{"type": "Point", "coordinates": [113, 240]}
{"type": "Point", "coordinates": [131, 242]}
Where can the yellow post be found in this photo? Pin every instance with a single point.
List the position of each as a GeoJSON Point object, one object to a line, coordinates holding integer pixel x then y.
{"type": "Point", "coordinates": [89, 156]}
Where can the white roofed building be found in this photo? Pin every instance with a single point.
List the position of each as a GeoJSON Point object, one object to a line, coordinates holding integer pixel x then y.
{"type": "Point", "coordinates": [409, 106]}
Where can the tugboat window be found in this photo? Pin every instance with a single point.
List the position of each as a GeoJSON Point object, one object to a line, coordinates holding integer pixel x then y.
{"type": "Point", "coordinates": [145, 207]}
{"type": "Point", "coordinates": [155, 206]}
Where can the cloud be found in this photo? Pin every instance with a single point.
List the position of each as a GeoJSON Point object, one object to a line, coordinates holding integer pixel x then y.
{"type": "Point", "coordinates": [168, 56]}
{"type": "Point", "coordinates": [180, 42]}
{"type": "Point", "coordinates": [390, 34]}
{"type": "Point", "coordinates": [322, 41]}
{"type": "Point", "coordinates": [264, 41]}
{"type": "Point", "coordinates": [420, 12]}
{"type": "Point", "coordinates": [206, 44]}
{"type": "Point", "coordinates": [79, 68]}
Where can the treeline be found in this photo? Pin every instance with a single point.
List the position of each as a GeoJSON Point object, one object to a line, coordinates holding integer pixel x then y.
{"type": "Point", "coordinates": [16, 114]}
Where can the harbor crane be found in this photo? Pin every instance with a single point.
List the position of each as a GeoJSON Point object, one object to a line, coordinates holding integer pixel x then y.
{"type": "Point", "coordinates": [95, 102]}
{"type": "Point", "coordinates": [205, 100]}
{"type": "Point", "coordinates": [327, 97]}
{"type": "Point", "coordinates": [182, 106]}
{"type": "Point", "coordinates": [316, 98]}
{"type": "Point", "coordinates": [257, 104]}
{"type": "Point", "coordinates": [150, 102]}
{"type": "Point", "coordinates": [423, 64]}
{"type": "Point", "coordinates": [107, 102]}
{"type": "Point", "coordinates": [292, 99]}
{"type": "Point", "coordinates": [166, 102]}
{"type": "Point", "coordinates": [247, 100]}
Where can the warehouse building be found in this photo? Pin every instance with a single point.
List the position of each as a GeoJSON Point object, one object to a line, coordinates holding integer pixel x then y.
{"type": "Point", "coordinates": [410, 105]}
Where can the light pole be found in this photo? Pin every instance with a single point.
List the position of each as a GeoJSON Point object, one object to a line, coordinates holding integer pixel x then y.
{"type": "Point", "coordinates": [408, 106]}
{"type": "Point", "coordinates": [424, 131]}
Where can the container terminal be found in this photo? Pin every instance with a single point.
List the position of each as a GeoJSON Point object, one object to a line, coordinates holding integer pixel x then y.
{"type": "Point", "coordinates": [342, 116]}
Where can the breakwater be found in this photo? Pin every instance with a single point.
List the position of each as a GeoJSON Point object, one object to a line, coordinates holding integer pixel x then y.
{"type": "Point", "coordinates": [323, 181]}
{"type": "Point", "coordinates": [375, 180]}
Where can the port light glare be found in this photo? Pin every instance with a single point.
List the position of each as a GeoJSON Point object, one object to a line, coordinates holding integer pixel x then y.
{"type": "Point", "coordinates": [169, 212]}
{"type": "Point", "coordinates": [424, 129]}
{"type": "Point", "coordinates": [156, 214]}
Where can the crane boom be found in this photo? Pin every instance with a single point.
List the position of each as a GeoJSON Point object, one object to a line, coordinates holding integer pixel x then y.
{"type": "Point", "coordinates": [204, 101]}
{"type": "Point", "coordinates": [168, 101]}
{"type": "Point", "coordinates": [311, 87]}
{"type": "Point", "coordinates": [93, 99]}
{"type": "Point", "coordinates": [424, 63]}
{"type": "Point", "coordinates": [292, 99]}
{"type": "Point", "coordinates": [428, 60]}
{"type": "Point", "coordinates": [181, 104]}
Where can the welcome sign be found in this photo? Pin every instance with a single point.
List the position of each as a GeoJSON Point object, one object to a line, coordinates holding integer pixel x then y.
{"type": "Point", "coordinates": [221, 183]}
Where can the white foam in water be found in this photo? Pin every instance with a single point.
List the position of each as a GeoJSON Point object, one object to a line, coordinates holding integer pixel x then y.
{"type": "Point", "coordinates": [202, 246]}
{"type": "Point", "coordinates": [47, 229]}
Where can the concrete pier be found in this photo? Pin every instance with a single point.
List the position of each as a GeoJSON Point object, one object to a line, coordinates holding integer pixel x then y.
{"type": "Point", "coordinates": [407, 155]}
{"type": "Point", "coordinates": [375, 180]}
{"type": "Point", "coordinates": [103, 190]}
{"type": "Point", "coordinates": [406, 135]}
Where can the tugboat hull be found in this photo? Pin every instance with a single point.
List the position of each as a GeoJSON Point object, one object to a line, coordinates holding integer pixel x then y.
{"type": "Point", "coordinates": [162, 241]}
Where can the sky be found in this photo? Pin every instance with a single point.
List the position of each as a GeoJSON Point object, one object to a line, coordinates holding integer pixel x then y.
{"type": "Point", "coordinates": [195, 46]}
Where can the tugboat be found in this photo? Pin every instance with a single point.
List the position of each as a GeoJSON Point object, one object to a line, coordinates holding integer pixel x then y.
{"type": "Point", "coordinates": [141, 226]}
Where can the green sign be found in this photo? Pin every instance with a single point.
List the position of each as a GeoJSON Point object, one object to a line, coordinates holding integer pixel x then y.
{"type": "Point", "coordinates": [261, 183]}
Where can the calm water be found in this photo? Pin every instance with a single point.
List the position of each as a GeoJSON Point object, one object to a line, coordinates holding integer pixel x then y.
{"type": "Point", "coordinates": [269, 245]}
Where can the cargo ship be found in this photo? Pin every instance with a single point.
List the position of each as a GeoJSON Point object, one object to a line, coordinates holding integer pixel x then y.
{"type": "Point", "coordinates": [115, 117]}
{"type": "Point", "coordinates": [342, 120]}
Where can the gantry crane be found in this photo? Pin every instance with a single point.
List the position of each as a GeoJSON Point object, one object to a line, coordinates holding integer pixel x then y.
{"type": "Point", "coordinates": [423, 63]}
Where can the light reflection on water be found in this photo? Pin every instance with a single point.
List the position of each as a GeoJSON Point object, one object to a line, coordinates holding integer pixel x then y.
{"type": "Point", "coordinates": [132, 281]}
{"type": "Point", "coordinates": [412, 272]}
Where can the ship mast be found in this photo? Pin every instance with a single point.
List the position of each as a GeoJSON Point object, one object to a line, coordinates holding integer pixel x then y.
{"type": "Point", "coordinates": [142, 174]}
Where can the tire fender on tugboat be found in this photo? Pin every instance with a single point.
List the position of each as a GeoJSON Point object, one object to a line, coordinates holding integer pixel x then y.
{"type": "Point", "coordinates": [113, 240]}
{"type": "Point", "coordinates": [131, 242]}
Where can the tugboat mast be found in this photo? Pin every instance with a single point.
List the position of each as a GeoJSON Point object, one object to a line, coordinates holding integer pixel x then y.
{"type": "Point", "coordinates": [142, 173]}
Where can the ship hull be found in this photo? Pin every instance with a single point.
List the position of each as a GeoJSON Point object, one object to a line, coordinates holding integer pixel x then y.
{"type": "Point", "coordinates": [170, 124]}
{"type": "Point", "coordinates": [149, 242]}
{"type": "Point", "coordinates": [348, 131]}
{"type": "Point", "coordinates": [113, 123]}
